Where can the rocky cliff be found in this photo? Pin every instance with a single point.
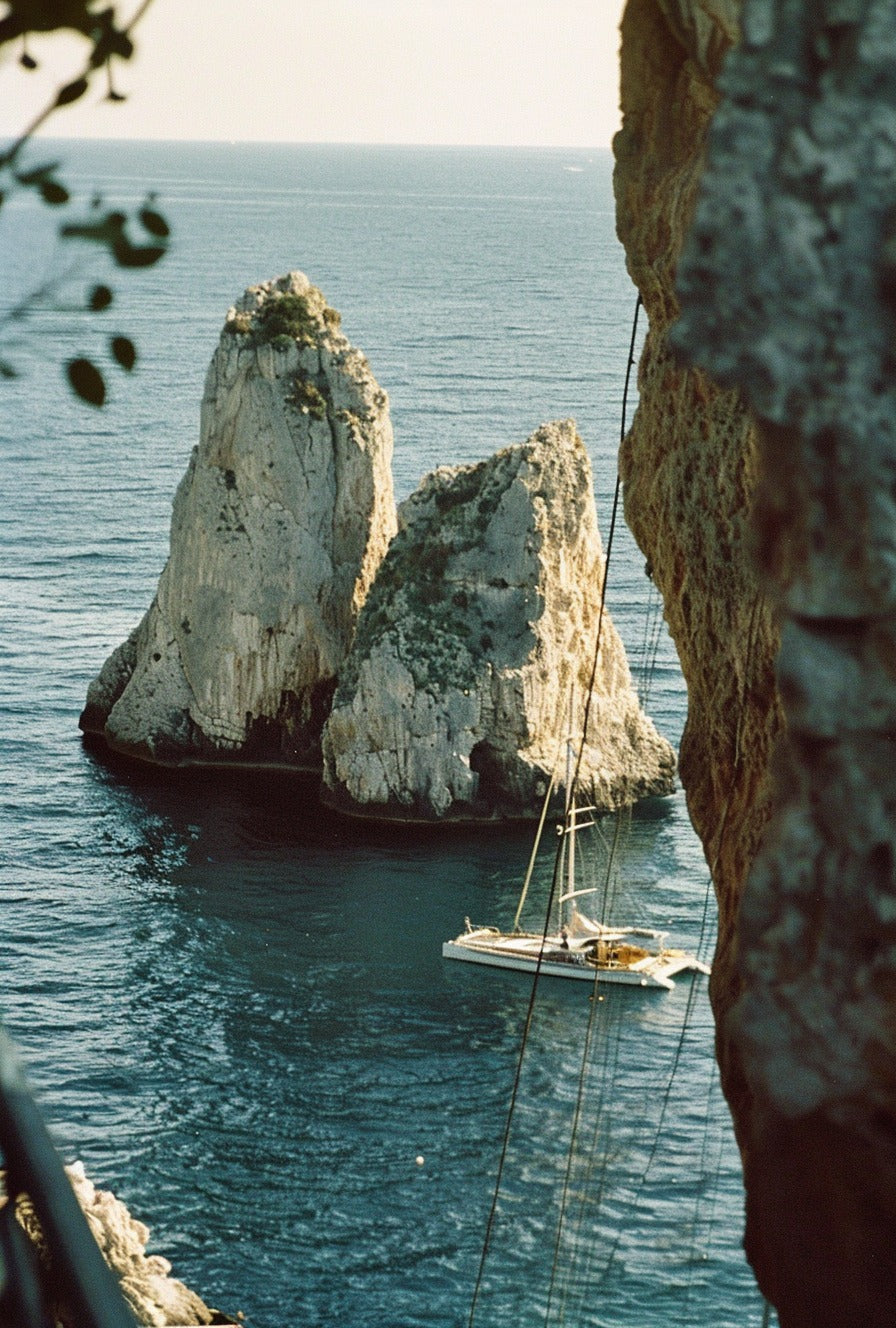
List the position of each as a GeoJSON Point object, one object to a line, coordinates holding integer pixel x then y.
{"type": "Point", "coordinates": [786, 288]}
{"type": "Point", "coordinates": [481, 622]}
{"type": "Point", "coordinates": [689, 464]}
{"type": "Point", "coordinates": [278, 527]}
{"type": "Point", "coordinates": [154, 1297]}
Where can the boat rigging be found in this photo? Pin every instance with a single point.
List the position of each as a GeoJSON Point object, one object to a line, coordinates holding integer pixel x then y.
{"type": "Point", "coordinates": [575, 946]}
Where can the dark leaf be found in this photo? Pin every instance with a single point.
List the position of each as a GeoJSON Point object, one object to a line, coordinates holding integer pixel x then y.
{"type": "Point", "coordinates": [27, 61]}
{"type": "Point", "coordinates": [124, 351]}
{"type": "Point", "coordinates": [106, 230]}
{"type": "Point", "coordinates": [86, 381]}
{"type": "Point", "coordinates": [131, 255]}
{"type": "Point", "coordinates": [7, 370]}
{"type": "Point", "coordinates": [72, 92]}
{"type": "Point", "coordinates": [111, 42]}
{"type": "Point", "coordinates": [155, 223]}
{"type": "Point", "coordinates": [39, 175]}
{"type": "Point", "coordinates": [110, 231]}
{"type": "Point", "coordinates": [112, 95]}
{"type": "Point", "coordinates": [54, 193]}
{"type": "Point", "coordinates": [100, 298]}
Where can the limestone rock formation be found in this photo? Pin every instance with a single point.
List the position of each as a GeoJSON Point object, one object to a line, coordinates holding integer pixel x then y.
{"type": "Point", "coordinates": [155, 1298]}
{"type": "Point", "coordinates": [787, 291]}
{"type": "Point", "coordinates": [689, 464]}
{"type": "Point", "coordinates": [480, 624]}
{"type": "Point", "coordinates": [278, 526]}
{"type": "Point", "coordinates": [787, 294]}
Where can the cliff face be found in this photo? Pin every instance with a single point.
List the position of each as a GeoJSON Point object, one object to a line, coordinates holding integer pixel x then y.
{"type": "Point", "coordinates": [153, 1296]}
{"type": "Point", "coordinates": [786, 284]}
{"type": "Point", "coordinates": [278, 527]}
{"type": "Point", "coordinates": [787, 291]}
{"type": "Point", "coordinates": [480, 624]}
{"type": "Point", "coordinates": [689, 464]}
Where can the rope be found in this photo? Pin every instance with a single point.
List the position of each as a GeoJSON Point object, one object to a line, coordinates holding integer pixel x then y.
{"type": "Point", "coordinates": [580, 1089]}
{"type": "Point", "coordinates": [514, 1093]}
{"type": "Point", "coordinates": [752, 636]}
{"type": "Point", "coordinates": [653, 631]}
{"type": "Point", "coordinates": [603, 591]}
{"type": "Point", "coordinates": [709, 1221]}
{"type": "Point", "coordinates": [752, 633]}
{"type": "Point", "coordinates": [651, 653]}
{"type": "Point", "coordinates": [489, 1229]}
{"type": "Point", "coordinates": [751, 644]}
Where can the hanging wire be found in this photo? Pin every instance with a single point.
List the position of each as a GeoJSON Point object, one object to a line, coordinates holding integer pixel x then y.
{"type": "Point", "coordinates": [709, 1221]}
{"type": "Point", "coordinates": [514, 1093]}
{"type": "Point", "coordinates": [490, 1223]}
{"type": "Point", "coordinates": [653, 634]}
{"type": "Point", "coordinates": [610, 1046]}
{"type": "Point", "coordinates": [602, 1133]}
{"type": "Point", "coordinates": [580, 1089]}
{"type": "Point", "coordinates": [751, 643]}
{"type": "Point", "coordinates": [752, 635]}
{"type": "Point", "coordinates": [603, 592]}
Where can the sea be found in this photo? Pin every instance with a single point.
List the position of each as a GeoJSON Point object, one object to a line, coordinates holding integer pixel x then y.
{"type": "Point", "coordinates": [233, 1009]}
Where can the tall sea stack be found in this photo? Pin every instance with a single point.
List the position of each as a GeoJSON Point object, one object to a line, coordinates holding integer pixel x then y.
{"type": "Point", "coordinates": [278, 527]}
{"type": "Point", "coordinates": [478, 632]}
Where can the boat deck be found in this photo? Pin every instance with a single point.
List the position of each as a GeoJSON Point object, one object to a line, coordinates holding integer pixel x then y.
{"type": "Point", "coordinates": [526, 951]}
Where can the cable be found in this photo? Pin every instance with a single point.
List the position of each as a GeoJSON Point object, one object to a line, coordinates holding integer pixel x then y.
{"type": "Point", "coordinates": [580, 1090]}
{"type": "Point", "coordinates": [603, 592]}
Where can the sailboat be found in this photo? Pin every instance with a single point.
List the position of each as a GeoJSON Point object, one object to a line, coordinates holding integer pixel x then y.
{"type": "Point", "coordinates": [577, 946]}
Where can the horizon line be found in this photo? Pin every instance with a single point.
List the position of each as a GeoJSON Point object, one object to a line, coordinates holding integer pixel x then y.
{"type": "Point", "coordinates": [315, 142]}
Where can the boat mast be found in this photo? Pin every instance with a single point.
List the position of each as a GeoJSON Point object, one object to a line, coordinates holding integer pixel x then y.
{"type": "Point", "coordinates": [534, 854]}
{"type": "Point", "coordinates": [570, 825]}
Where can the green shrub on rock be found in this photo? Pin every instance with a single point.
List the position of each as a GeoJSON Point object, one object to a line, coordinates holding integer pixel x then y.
{"type": "Point", "coordinates": [284, 319]}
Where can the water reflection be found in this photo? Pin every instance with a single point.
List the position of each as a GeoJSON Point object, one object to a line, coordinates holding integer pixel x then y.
{"type": "Point", "coordinates": [267, 1038]}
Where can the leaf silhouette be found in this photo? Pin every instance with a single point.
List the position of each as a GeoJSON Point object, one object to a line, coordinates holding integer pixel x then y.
{"type": "Point", "coordinates": [71, 92]}
{"type": "Point", "coordinates": [86, 381]}
{"type": "Point", "coordinates": [155, 223]}
{"type": "Point", "coordinates": [124, 351]}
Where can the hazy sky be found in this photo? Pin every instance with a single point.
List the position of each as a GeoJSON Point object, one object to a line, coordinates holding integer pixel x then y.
{"type": "Point", "coordinates": [401, 71]}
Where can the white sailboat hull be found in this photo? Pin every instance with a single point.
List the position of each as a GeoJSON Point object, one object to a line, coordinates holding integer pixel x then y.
{"type": "Point", "coordinates": [522, 951]}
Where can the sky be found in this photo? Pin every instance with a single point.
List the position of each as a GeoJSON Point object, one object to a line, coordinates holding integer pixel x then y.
{"type": "Point", "coordinates": [526, 72]}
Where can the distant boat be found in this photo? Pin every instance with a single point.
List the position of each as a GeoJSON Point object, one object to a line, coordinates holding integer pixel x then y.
{"type": "Point", "coordinates": [577, 947]}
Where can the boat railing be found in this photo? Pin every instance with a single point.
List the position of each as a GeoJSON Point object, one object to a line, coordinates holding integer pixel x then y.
{"type": "Point", "coordinates": [74, 1274]}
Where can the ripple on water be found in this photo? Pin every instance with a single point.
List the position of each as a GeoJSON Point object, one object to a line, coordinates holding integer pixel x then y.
{"type": "Point", "coordinates": [235, 1013]}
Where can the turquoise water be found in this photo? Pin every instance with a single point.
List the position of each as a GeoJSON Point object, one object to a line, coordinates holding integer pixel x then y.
{"type": "Point", "coordinates": [235, 1011]}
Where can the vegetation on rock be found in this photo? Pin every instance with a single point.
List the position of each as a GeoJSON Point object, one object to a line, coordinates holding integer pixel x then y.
{"type": "Point", "coordinates": [286, 318]}
{"type": "Point", "coordinates": [307, 396]}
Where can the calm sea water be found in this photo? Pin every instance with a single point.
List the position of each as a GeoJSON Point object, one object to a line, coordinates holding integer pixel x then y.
{"type": "Point", "coordinates": [234, 1011]}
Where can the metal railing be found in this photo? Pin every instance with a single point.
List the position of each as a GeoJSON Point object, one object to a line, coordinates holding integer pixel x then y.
{"type": "Point", "coordinates": [71, 1270]}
